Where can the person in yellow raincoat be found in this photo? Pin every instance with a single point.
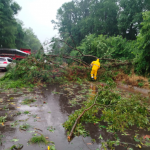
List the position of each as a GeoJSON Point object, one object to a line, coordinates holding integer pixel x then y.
{"type": "Point", "coordinates": [95, 66]}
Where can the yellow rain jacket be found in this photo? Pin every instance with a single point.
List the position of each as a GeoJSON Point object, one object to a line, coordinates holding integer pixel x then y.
{"type": "Point", "coordinates": [95, 66]}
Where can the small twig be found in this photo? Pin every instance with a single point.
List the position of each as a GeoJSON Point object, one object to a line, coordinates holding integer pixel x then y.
{"type": "Point", "coordinates": [38, 132]}
{"type": "Point", "coordinates": [38, 129]}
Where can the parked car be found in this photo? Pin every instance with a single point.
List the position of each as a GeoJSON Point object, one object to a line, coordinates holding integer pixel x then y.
{"type": "Point", "coordinates": [4, 62]}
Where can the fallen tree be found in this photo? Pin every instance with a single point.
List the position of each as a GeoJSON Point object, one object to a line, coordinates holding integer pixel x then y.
{"type": "Point", "coordinates": [79, 60]}
{"type": "Point", "coordinates": [76, 58]}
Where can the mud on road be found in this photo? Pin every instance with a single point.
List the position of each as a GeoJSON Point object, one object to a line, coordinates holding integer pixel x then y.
{"type": "Point", "coordinates": [46, 115]}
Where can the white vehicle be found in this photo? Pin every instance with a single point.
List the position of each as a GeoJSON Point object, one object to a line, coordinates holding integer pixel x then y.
{"type": "Point", "coordinates": [4, 62]}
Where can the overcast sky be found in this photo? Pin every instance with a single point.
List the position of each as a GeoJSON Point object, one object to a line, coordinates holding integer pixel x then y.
{"type": "Point", "coordinates": [38, 14]}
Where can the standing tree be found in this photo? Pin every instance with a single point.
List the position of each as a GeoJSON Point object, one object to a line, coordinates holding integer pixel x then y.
{"type": "Point", "coordinates": [31, 40]}
{"type": "Point", "coordinates": [143, 41]}
{"type": "Point", "coordinates": [130, 17]}
{"type": "Point", "coordinates": [8, 29]}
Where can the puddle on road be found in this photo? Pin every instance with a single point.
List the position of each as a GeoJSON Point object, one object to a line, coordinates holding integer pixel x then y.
{"type": "Point", "coordinates": [52, 108]}
{"type": "Point", "coordinates": [53, 112]}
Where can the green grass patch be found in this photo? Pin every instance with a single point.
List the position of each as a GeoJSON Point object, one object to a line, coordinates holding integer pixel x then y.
{"type": "Point", "coordinates": [7, 84]}
{"type": "Point", "coordinates": [39, 140]}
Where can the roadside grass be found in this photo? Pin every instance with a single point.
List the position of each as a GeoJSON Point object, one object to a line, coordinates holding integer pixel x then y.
{"type": "Point", "coordinates": [7, 83]}
{"type": "Point", "coordinates": [39, 140]}
{"type": "Point", "coordinates": [27, 101]}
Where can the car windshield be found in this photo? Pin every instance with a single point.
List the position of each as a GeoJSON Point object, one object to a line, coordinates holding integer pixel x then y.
{"type": "Point", "coordinates": [9, 60]}
{"type": "Point", "coordinates": [2, 59]}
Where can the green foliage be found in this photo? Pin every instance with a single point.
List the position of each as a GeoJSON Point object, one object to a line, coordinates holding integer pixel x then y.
{"type": "Point", "coordinates": [119, 112]}
{"type": "Point", "coordinates": [50, 128]}
{"type": "Point", "coordinates": [3, 119]}
{"type": "Point", "coordinates": [76, 73]}
{"type": "Point", "coordinates": [11, 29]}
{"type": "Point", "coordinates": [103, 46]}
{"type": "Point", "coordinates": [30, 71]}
{"type": "Point", "coordinates": [140, 84]}
{"type": "Point", "coordinates": [96, 46]}
{"type": "Point", "coordinates": [31, 40]}
{"type": "Point", "coordinates": [8, 28]}
{"type": "Point", "coordinates": [11, 83]}
{"type": "Point", "coordinates": [14, 124]}
{"type": "Point", "coordinates": [27, 101]}
{"type": "Point", "coordinates": [130, 17]}
{"type": "Point", "coordinates": [5, 107]}
{"type": "Point", "coordinates": [14, 147]}
{"type": "Point", "coordinates": [105, 29]}
{"type": "Point", "coordinates": [142, 54]}
{"type": "Point", "coordinates": [26, 112]}
{"type": "Point", "coordinates": [121, 48]}
{"type": "Point", "coordinates": [25, 126]}
{"type": "Point", "coordinates": [108, 17]}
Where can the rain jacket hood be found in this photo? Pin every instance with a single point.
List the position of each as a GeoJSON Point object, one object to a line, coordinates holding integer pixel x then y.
{"type": "Point", "coordinates": [97, 60]}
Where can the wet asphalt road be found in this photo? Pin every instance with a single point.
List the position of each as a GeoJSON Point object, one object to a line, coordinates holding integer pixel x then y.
{"type": "Point", "coordinates": [2, 74]}
{"type": "Point", "coordinates": [49, 110]}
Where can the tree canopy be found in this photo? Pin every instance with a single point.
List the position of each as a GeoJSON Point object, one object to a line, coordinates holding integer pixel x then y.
{"type": "Point", "coordinates": [105, 28]}
{"type": "Point", "coordinates": [108, 17]}
{"type": "Point", "coordinates": [12, 33]}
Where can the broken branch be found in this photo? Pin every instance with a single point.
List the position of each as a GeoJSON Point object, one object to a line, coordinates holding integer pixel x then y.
{"type": "Point", "coordinates": [71, 133]}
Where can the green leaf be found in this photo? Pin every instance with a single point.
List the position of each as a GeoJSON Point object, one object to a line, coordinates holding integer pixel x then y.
{"type": "Point", "coordinates": [102, 126]}
{"type": "Point", "coordinates": [14, 140]}
{"type": "Point", "coordinates": [100, 137]}
{"type": "Point", "coordinates": [136, 140]}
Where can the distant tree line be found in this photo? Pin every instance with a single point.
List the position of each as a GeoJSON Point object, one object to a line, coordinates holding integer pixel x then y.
{"type": "Point", "coordinates": [105, 28]}
{"type": "Point", "coordinates": [12, 33]}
